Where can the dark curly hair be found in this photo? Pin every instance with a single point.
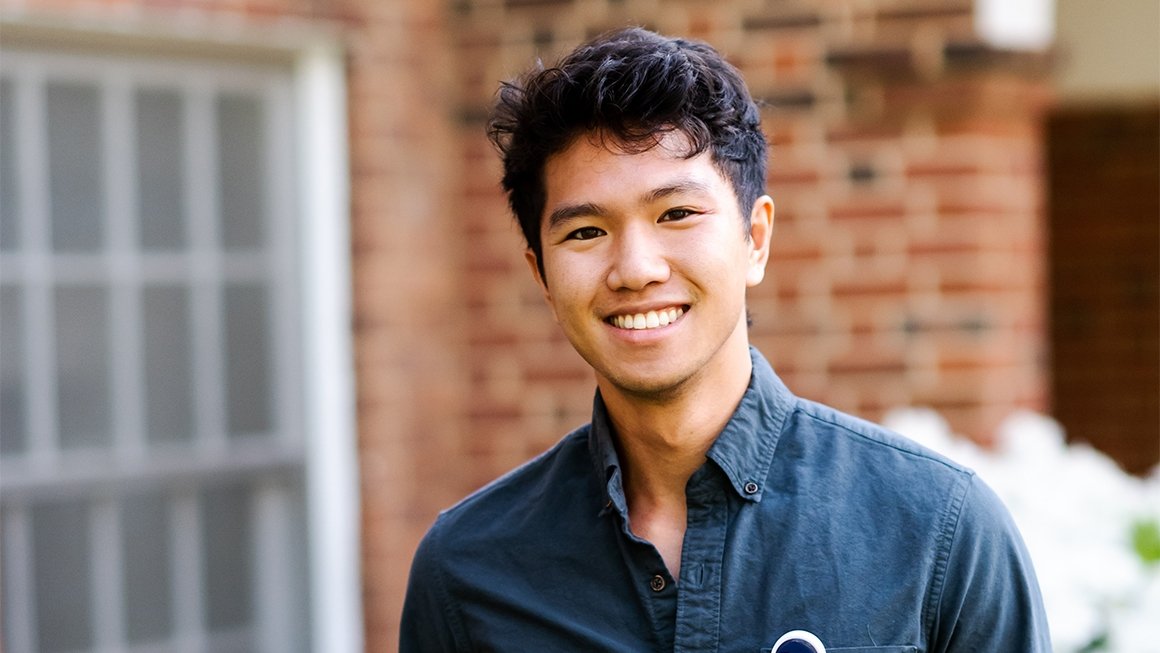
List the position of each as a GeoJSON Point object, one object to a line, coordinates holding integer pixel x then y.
{"type": "Point", "coordinates": [630, 86]}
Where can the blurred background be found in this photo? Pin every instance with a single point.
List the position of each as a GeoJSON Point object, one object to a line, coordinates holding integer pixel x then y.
{"type": "Point", "coordinates": [263, 311]}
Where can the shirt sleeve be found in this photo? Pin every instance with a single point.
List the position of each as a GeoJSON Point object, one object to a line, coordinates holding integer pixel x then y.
{"type": "Point", "coordinates": [990, 598]}
{"type": "Point", "coordinates": [429, 623]}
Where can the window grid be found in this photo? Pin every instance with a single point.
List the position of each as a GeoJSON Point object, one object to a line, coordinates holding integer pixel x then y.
{"type": "Point", "coordinates": [105, 535]}
{"type": "Point", "coordinates": [121, 259]}
{"type": "Point", "coordinates": [39, 360]}
{"type": "Point", "coordinates": [18, 621]}
{"type": "Point", "coordinates": [270, 463]}
{"type": "Point", "coordinates": [187, 586]}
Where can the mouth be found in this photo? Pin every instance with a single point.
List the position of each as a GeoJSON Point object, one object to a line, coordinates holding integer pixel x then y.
{"type": "Point", "coordinates": [647, 320]}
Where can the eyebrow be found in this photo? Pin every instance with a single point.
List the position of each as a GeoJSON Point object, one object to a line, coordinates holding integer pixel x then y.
{"type": "Point", "coordinates": [678, 187]}
{"type": "Point", "coordinates": [570, 211]}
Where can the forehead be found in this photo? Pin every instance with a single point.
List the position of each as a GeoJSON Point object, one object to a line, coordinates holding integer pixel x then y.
{"type": "Point", "coordinates": [600, 170]}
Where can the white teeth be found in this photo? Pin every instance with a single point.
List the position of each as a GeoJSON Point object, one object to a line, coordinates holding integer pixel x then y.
{"type": "Point", "coordinates": [650, 320]}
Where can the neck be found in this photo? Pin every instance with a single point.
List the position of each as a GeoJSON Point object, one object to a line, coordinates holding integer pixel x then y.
{"type": "Point", "coordinates": [663, 440]}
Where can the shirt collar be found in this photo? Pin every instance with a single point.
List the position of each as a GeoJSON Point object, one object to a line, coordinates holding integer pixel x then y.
{"type": "Point", "coordinates": [604, 457]}
{"type": "Point", "coordinates": [745, 447]}
{"type": "Point", "coordinates": [743, 450]}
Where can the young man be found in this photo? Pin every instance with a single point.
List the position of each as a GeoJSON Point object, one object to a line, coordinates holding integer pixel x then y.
{"type": "Point", "coordinates": [705, 508]}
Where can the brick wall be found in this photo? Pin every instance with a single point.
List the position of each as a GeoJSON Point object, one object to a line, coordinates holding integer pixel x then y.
{"type": "Point", "coordinates": [907, 262]}
{"type": "Point", "coordinates": [408, 308]}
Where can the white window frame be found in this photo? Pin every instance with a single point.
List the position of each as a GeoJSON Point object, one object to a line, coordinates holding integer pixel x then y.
{"type": "Point", "coordinates": [323, 214]}
{"type": "Point", "coordinates": [331, 441]}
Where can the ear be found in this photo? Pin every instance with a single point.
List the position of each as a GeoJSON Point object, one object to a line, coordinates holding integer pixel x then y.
{"type": "Point", "coordinates": [533, 265]}
{"type": "Point", "coordinates": [760, 234]}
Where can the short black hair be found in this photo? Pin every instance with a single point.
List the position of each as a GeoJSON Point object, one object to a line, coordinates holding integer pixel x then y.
{"type": "Point", "coordinates": [630, 86]}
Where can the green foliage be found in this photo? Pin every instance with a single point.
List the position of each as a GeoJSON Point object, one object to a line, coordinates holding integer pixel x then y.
{"type": "Point", "coordinates": [1146, 540]}
{"type": "Point", "coordinates": [1100, 643]}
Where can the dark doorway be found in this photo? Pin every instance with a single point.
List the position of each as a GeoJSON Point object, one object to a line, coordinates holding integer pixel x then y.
{"type": "Point", "coordinates": [1103, 168]}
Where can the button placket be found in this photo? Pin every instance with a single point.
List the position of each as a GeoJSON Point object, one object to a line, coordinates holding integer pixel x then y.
{"type": "Point", "coordinates": [698, 621]}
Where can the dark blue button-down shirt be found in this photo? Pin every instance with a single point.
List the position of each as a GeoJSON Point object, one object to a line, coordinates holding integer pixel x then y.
{"type": "Point", "coordinates": [802, 518]}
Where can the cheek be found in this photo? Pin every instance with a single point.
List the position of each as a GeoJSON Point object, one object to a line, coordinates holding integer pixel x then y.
{"type": "Point", "coordinates": [566, 284]}
{"type": "Point", "coordinates": [721, 266]}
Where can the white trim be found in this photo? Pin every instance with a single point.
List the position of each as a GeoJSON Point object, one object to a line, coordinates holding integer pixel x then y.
{"type": "Point", "coordinates": [332, 485]}
{"type": "Point", "coordinates": [20, 617]}
{"type": "Point", "coordinates": [1016, 24]}
{"type": "Point", "coordinates": [40, 357]}
{"type": "Point", "coordinates": [157, 33]}
{"type": "Point", "coordinates": [205, 288]}
{"type": "Point", "coordinates": [282, 198]}
{"type": "Point", "coordinates": [185, 571]}
{"type": "Point", "coordinates": [273, 560]}
{"type": "Point", "coordinates": [108, 591]}
{"type": "Point", "coordinates": [121, 262]}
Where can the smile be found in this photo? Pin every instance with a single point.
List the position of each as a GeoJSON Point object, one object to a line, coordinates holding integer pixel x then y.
{"type": "Point", "coordinates": [649, 320]}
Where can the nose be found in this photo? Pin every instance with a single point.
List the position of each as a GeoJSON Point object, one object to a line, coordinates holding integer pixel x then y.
{"type": "Point", "coordinates": [638, 259]}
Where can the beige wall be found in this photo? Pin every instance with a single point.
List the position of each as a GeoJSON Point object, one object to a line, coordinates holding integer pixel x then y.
{"type": "Point", "coordinates": [1108, 49]}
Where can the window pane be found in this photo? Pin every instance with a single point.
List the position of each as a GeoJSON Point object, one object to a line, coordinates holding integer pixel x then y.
{"type": "Point", "coordinates": [241, 141]}
{"type": "Point", "coordinates": [226, 541]}
{"type": "Point", "coordinates": [9, 193]}
{"type": "Point", "coordinates": [74, 165]}
{"type": "Point", "coordinates": [147, 560]}
{"type": "Point", "coordinates": [60, 540]}
{"type": "Point", "coordinates": [160, 199]}
{"type": "Point", "coordinates": [300, 588]}
{"type": "Point", "coordinates": [13, 428]}
{"type": "Point", "coordinates": [168, 368]}
{"type": "Point", "coordinates": [247, 358]}
{"type": "Point", "coordinates": [82, 363]}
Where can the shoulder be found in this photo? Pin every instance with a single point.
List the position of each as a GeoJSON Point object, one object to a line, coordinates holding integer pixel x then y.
{"type": "Point", "coordinates": [845, 440]}
{"type": "Point", "coordinates": [873, 454]}
{"type": "Point", "coordinates": [481, 538]}
{"type": "Point", "coordinates": [866, 474]}
{"type": "Point", "coordinates": [510, 502]}
{"type": "Point", "coordinates": [982, 587]}
{"type": "Point", "coordinates": [986, 596]}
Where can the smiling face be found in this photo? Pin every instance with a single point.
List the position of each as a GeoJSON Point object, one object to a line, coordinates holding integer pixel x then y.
{"type": "Point", "coordinates": [645, 264]}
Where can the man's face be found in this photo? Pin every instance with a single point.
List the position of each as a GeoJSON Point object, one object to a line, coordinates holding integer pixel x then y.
{"type": "Point", "coordinates": [646, 261]}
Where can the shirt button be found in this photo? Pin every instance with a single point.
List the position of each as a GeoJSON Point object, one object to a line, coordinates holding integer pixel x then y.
{"type": "Point", "coordinates": [751, 488]}
{"type": "Point", "coordinates": [657, 583]}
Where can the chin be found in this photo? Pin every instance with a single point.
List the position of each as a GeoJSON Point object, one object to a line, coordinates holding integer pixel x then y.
{"type": "Point", "coordinates": [658, 386]}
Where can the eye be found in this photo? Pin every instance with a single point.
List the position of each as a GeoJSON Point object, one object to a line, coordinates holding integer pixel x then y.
{"type": "Point", "coordinates": [673, 215]}
{"type": "Point", "coordinates": [585, 233]}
